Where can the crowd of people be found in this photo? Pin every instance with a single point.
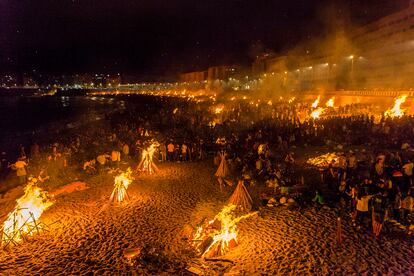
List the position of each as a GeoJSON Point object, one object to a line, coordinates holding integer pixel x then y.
{"type": "Point", "coordinates": [262, 143]}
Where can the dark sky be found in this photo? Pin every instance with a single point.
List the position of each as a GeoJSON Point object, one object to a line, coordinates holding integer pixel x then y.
{"type": "Point", "coordinates": [150, 37]}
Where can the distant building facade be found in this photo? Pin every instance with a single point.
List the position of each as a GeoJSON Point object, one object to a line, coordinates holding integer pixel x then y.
{"type": "Point", "coordinates": [197, 76]}
{"type": "Point", "coordinates": [379, 55]}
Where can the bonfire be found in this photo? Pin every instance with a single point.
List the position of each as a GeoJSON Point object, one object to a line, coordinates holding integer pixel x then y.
{"type": "Point", "coordinates": [330, 102]}
{"type": "Point", "coordinates": [216, 237]}
{"type": "Point", "coordinates": [396, 110]}
{"type": "Point", "coordinates": [23, 220]}
{"type": "Point", "coordinates": [324, 160]}
{"type": "Point", "coordinates": [122, 181]}
{"type": "Point", "coordinates": [147, 163]}
{"type": "Point", "coordinates": [316, 114]}
{"type": "Point", "coordinates": [316, 102]}
{"type": "Point", "coordinates": [219, 109]}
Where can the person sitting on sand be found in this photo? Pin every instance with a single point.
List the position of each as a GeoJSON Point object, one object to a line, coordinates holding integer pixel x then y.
{"type": "Point", "coordinates": [89, 166]}
{"type": "Point", "coordinates": [318, 198]}
{"type": "Point", "coordinates": [43, 176]}
{"type": "Point", "coordinates": [102, 159]}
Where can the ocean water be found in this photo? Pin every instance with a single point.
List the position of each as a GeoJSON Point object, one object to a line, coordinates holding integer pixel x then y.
{"type": "Point", "coordinates": [25, 117]}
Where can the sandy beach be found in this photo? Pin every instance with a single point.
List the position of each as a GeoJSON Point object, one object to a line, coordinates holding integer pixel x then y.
{"type": "Point", "coordinates": [89, 235]}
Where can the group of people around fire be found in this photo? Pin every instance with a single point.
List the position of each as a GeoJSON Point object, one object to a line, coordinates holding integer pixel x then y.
{"type": "Point", "coordinates": [260, 144]}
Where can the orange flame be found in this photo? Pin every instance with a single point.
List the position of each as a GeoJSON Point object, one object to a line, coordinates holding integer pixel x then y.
{"type": "Point", "coordinates": [315, 114]}
{"type": "Point", "coordinates": [122, 182]}
{"type": "Point", "coordinates": [219, 109]}
{"type": "Point", "coordinates": [147, 158]}
{"type": "Point", "coordinates": [316, 102]}
{"type": "Point", "coordinates": [330, 102]}
{"type": "Point", "coordinates": [396, 110]}
{"type": "Point", "coordinates": [22, 220]}
{"type": "Point", "coordinates": [227, 232]}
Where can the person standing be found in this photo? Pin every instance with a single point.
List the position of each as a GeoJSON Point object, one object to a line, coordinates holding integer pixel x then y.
{"type": "Point", "coordinates": [21, 172]}
{"type": "Point", "coordinates": [362, 206]}
{"type": "Point", "coordinates": [163, 152]}
{"type": "Point", "coordinates": [408, 172]}
{"type": "Point", "coordinates": [184, 149]}
{"type": "Point", "coordinates": [125, 151]}
{"type": "Point", "coordinates": [115, 158]}
{"type": "Point", "coordinates": [170, 149]}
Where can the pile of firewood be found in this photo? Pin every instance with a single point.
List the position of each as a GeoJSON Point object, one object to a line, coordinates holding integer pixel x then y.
{"type": "Point", "coordinates": [241, 197]}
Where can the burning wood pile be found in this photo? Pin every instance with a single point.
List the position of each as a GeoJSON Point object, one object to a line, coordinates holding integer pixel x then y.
{"type": "Point", "coordinates": [317, 111]}
{"type": "Point", "coordinates": [23, 220]}
{"type": "Point", "coordinates": [216, 237]}
{"type": "Point", "coordinates": [396, 110]}
{"type": "Point", "coordinates": [147, 164]}
{"type": "Point", "coordinates": [331, 102]}
{"type": "Point", "coordinates": [218, 109]}
{"type": "Point", "coordinates": [122, 181]}
{"type": "Point", "coordinates": [323, 161]}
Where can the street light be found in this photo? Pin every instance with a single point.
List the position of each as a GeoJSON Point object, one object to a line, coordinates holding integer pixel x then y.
{"type": "Point", "coordinates": [351, 57]}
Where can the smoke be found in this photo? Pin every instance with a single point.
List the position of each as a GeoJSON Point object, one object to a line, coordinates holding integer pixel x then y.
{"type": "Point", "coordinates": [344, 56]}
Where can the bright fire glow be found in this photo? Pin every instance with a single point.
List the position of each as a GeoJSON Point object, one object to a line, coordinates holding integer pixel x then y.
{"type": "Point", "coordinates": [147, 158]}
{"type": "Point", "coordinates": [324, 160]}
{"type": "Point", "coordinates": [315, 114]}
{"type": "Point", "coordinates": [330, 102]}
{"type": "Point", "coordinates": [291, 100]}
{"type": "Point", "coordinates": [122, 182]}
{"type": "Point", "coordinates": [22, 220]}
{"type": "Point", "coordinates": [396, 110]}
{"type": "Point", "coordinates": [225, 235]}
{"type": "Point", "coordinates": [316, 102]}
{"type": "Point", "coordinates": [219, 109]}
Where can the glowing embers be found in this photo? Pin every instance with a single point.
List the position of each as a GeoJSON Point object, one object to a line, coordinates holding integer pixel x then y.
{"type": "Point", "coordinates": [122, 181]}
{"type": "Point", "coordinates": [216, 237]}
{"type": "Point", "coordinates": [396, 110]}
{"type": "Point", "coordinates": [147, 163]}
{"type": "Point", "coordinates": [23, 220]}
{"type": "Point", "coordinates": [218, 109]}
{"type": "Point", "coordinates": [324, 160]}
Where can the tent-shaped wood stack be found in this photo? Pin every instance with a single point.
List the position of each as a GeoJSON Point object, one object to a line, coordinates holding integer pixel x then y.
{"type": "Point", "coordinates": [241, 197]}
{"type": "Point", "coordinates": [223, 169]}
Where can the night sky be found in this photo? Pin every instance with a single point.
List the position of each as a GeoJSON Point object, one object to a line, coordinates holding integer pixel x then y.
{"type": "Point", "coordinates": [149, 37]}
